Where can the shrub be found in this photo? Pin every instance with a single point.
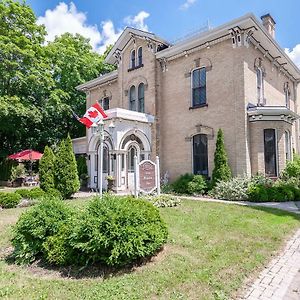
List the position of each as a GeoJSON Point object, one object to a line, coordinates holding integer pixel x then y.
{"type": "Point", "coordinates": [221, 171]}
{"type": "Point", "coordinates": [9, 200]}
{"type": "Point", "coordinates": [46, 169]}
{"type": "Point", "coordinates": [6, 166]}
{"type": "Point", "coordinates": [66, 175]}
{"type": "Point", "coordinates": [166, 188]}
{"type": "Point", "coordinates": [258, 193]}
{"type": "Point", "coordinates": [234, 190]}
{"type": "Point", "coordinates": [17, 172]}
{"type": "Point", "coordinates": [24, 193]}
{"type": "Point", "coordinates": [198, 185]}
{"type": "Point", "coordinates": [164, 200]}
{"type": "Point", "coordinates": [36, 193]}
{"type": "Point", "coordinates": [180, 185]}
{"type": "Point", "coordinates": [35, 226]}
{"type": "Point", "coordinates": [118, 231]}
{"type": "Point", "coordinates": [81, 165]}
{"type": "Point", "coordinates": [292, 168]}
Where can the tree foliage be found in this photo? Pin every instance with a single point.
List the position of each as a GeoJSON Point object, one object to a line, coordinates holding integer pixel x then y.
{"type": "Point", "coordinates": [38, 80]}
{"type": "Point", "coordinates": [66, 174]}
{"type": "Point", "coordinates": [221, 170]}
{"type": "Point", "coordinates": [46, 169]}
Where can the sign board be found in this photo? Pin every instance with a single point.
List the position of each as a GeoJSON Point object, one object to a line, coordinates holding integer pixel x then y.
{"type": "Point", "coordinates": [147, 176]}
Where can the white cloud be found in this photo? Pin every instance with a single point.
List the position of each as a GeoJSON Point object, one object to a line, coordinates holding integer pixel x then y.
{"type": "Point", "coordinates": [294, 54]}
{"type": "Point", "coordinates": [187, 4]}
{"type": "Point", "coordinates": [66, 18]}
{"type": "Point", "coordinates": [109, 35]}
{"type": "Point", "coordinates": [138, 21]}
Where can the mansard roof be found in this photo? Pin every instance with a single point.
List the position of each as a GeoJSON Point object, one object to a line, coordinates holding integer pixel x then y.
{"type": "Point", "coordinates": [124, 39]}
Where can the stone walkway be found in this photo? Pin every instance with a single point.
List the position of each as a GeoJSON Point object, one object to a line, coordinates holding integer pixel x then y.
{"type": "Point", "coordinates": [280, 280]}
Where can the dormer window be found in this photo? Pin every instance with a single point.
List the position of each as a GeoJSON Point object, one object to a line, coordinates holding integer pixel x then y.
{"type": "Point", "coordinates": [132, 59]}
{"type": "Point", "coordinates": [140, 56]}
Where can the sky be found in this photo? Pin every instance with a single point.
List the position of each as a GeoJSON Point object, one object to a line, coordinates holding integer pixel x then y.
{"type": "Point", "coordinates": [103, 21]}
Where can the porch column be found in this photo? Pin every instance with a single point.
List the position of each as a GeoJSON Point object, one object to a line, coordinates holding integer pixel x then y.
{"type": "Point", "coordinates": [118, 170]}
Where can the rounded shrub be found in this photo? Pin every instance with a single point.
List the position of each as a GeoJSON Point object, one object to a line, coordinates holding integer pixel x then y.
{"type": "Point", "coordinates": [9, 200]}
{"type": "Point", "coordinates": [118, 231]}
{"type": "Point", "coordinates": [198, 185]}
{"type": "Point", "coordinates": [24, 193]}
{"type": "Point", "coordinates": [180, 185]}
{"type": "Point", "coordinates": [35, 226]}
{"type": "Point", "coordinates": [258, 193]}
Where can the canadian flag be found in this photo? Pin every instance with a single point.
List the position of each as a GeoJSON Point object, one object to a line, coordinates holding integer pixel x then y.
{"type": "Point", "coordinates": [93, 115]}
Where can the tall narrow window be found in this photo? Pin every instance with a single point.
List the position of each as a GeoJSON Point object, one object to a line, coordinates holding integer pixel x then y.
{"type": "Point", "coordinates": [288, 152]}
{"type": "Point", "coordinates": [105, 159]}
{"type": "Point", "coordinates": [270, 152]}
{"type": "Point", "coordinates": [132, 98]}
{"type": "Point", "coordinates": [140, 56]}
{"type": "Point", "coordinates": [199, 87]}
{"type": "Point", "coordinates": [260, 86]}
{"type": "Point", "coordinates": [141, 97]}
{"type": "Point", "coordinates": [287, 94]}
{"type": "Point", "coordinates": [105, 103]}
{"type": "Point", "coordinates": [200, 155]}
{"type": "Point", "coordinates": [131, 154]}
{"type": "Point", "coordinates": [132, 59]}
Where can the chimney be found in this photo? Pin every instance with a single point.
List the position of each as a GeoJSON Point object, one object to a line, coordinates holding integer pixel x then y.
{"type": "Point", "coordinates": [269, 24]}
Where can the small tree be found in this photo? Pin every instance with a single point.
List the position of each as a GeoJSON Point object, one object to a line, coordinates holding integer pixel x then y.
{"type": "Point", "coordinates": [66, 174]}
{"type": "Point", "coordinates": [221, 170]}
{"type": "Point", "coordinates": [46, 169]}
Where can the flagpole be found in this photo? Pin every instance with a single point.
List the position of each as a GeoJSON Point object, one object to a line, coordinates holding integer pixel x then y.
{"type": "Point", "coordinates": [101, 129]}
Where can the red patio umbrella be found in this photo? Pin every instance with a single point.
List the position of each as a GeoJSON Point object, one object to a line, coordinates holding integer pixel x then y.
{"type": "Point", "coordinates": [26, 155]}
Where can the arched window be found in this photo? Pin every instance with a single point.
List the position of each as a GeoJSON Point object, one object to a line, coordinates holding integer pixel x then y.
{"type": "Point", "coordinates": [132, 152]}
{"type": "Point", "coordinates": [132, 59]}
{"type": "Point", "coordinates": [141, 98]}
{"type": "Point", "coordinates": [140, 56]}
{"type": "Point", "coordinates": [104, 103]}
{"type": "Point", "coordinates": [199, 87]}
{"type": "Point", "coordinates": [105, 159]}
{"type": "Point", "coordinates": [260, 86]}
{"type": "Point", "coordinates": [200, 155]}
{"type": "Point", "coordinates": [132, 98]}
{"type": "Point", "coordinates": [270, 145]}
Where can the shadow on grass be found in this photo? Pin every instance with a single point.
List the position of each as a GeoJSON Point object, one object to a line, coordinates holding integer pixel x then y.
{"type": "Point", "coordinates": [97, 270]}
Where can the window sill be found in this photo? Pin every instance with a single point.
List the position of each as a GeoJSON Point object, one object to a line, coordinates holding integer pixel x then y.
{"type": "Point", "coordinates": [137, 67]}
{"type": "Point", "coordinates": [198, 106]}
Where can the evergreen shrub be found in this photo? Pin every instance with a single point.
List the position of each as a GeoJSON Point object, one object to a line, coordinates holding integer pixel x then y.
{"type": "Point", "coordinates": [66, 174]}
{"type": "Point", "coordinates": [221, 171]}
{"type": "Point", "coordinates": [46, 169]}
{"type": "Point", "coordinates": [35, 226]}
{"type": "Point", "coordinates": [9, 200]}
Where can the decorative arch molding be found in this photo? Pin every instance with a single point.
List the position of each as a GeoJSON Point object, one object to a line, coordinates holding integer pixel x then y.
{"type": "Point", "coordinates": [94, 142]}
{"type": "Point", "coordinates": [204, 62]}
{"type": "Point", "coordinates": [201, 129]}
{"type": "Point", "coordinates": [144, 139]}
{"type": "Point", "coordinates": [136, 81]}
{"type": "Point", "coordinates": [259, 64]}
{"type": "Point", "coordinates": [106, 94]}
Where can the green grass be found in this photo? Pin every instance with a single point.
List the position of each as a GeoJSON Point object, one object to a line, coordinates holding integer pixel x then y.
{"type": "Point", "coordinates": [212, 248]}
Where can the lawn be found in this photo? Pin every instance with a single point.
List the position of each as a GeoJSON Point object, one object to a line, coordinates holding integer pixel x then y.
{"type": "Point", "coordinates": [212, 248]}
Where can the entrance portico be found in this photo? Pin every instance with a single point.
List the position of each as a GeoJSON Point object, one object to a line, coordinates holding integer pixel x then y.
{"type": "Point", "coordinates": [126, 134]}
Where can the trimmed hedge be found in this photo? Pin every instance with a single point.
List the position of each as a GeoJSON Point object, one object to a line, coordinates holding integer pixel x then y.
{"type": "Point", "coordinates": [9, 200]}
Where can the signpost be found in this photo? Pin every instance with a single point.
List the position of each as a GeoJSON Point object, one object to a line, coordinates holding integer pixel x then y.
{"type": "Point", "coordinates": [147, 177]}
